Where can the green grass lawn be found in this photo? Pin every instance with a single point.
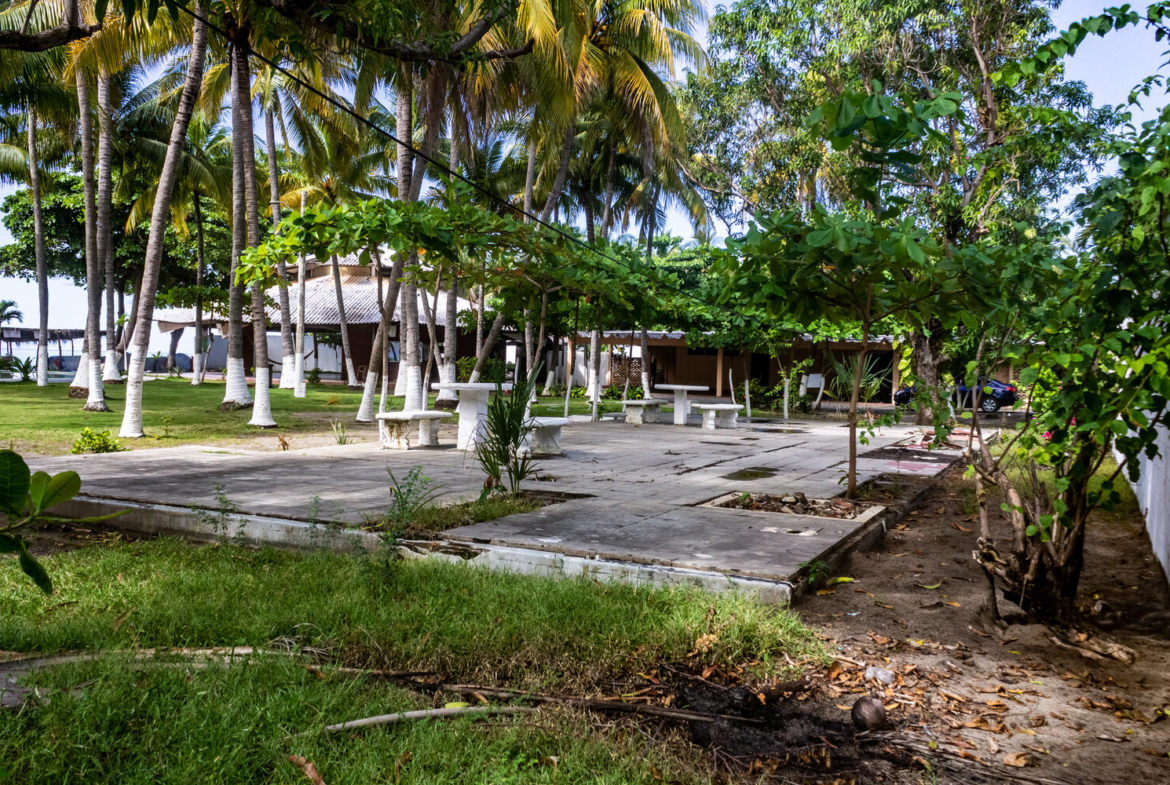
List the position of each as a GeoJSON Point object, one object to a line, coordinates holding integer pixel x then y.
{"type": "Point", "coordinates": [154, 724]}
{"type": "Point", "coordinates": [45, 421]}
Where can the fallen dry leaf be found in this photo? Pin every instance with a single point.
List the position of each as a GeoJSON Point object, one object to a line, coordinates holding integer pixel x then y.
{"type": "Point", "coordinates": [1018, 759]}
{"type": "Point", "coordinates": [308, 768]}
{"type": "Point", "coordinates": [963, 529]}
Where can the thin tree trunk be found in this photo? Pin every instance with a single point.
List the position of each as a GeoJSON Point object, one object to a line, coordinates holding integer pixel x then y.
{"type": "Point", "coordinates": [851, 488]}
{"type": "Point", "coordinates": [351, 375]}
{"type": "Point", "coordinates": [105, 238]}
{"type": "Point", "coordinates": [287, 351]}
{"type": "Point", "coordinates": [197, 354]}
{"type": "Point", "coordinates": [132, 419]}
{"type": "Point", "coordinates": [393, 288]}
{"type": "Point", "coordinates": [95, 399]}
{"type": "Point", "coordinates": [429, 315]}
{"type": "Point", "coordinates": [173, 349]}
{"type": "Point", "coordinates": [595, 385]}
{"type": "Point", "coordinates": [488, 344]}
{"type": "Point", "coordinates": [236, 393]}
{"type": "Point", "coordinates": [34, 183]}
{"type": "Point", "coordinates": [262, 410]}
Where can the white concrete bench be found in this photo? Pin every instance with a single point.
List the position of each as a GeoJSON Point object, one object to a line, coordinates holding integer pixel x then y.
{"type": "Point", "coordinates": [644, 410]}
{"type": "Point", "coordinates": [394, 428]}
{"type": "Point", "coordinates": [544, 440]}
{"type": "Point", "coordinates": [718, 415]}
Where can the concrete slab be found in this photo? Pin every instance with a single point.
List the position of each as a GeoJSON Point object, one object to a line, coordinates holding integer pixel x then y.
{"type": "Point", "coordinates": [640, 493]}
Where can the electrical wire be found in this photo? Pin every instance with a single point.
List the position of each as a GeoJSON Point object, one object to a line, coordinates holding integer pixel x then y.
{"type": "Point", "coordinates": [451, 173]}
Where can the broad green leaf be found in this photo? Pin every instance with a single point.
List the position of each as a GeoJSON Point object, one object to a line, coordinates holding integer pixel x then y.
{"type": "Point", "coordinates": [14, 482]}
{"type": "Point", "coordinates": [48, 491]}
{"type": "Point", "coordinates": [33, 569]}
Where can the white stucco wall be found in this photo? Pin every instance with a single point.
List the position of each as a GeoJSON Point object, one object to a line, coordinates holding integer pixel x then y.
{"type": "Point", "coordinates": [1153, 496]}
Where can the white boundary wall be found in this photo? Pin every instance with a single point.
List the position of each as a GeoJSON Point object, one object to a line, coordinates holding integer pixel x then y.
{"type": "Point", "coordinates": [1153, 496]}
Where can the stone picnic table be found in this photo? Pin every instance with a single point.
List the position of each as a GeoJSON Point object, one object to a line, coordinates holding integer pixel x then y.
{"type": "Point", "coordinates": [472, 409]}
{"type": "Point", "coordinates": [681, 409]}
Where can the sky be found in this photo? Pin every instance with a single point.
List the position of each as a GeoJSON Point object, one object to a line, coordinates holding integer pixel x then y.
{"type": "Point", "coordinates": [1110, 67]}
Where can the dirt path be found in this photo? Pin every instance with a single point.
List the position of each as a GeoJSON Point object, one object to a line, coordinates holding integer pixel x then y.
{"type": "Point", "coordinates": [998, 703]}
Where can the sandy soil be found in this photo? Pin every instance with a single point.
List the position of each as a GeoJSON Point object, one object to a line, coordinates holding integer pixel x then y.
{"type": "Point", "coordinates": [991, 703]}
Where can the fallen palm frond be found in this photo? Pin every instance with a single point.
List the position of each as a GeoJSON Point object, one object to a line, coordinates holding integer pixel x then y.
{"type": "Point", "coordinates": [426, 714]}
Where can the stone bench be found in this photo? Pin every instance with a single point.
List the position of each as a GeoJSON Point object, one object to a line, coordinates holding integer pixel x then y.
{"type": "Point", "coordinates": [544, 440]}
{"type": "Point", "coordinates": [394, 428]}
{"type": "Point", "coordinates": [718, 415]}
{"type": "Point", "coordinates": [640, 411]}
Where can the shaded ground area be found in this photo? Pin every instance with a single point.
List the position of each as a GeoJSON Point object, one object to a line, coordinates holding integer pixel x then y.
{"type": "Point", "coordinates": [985, 695]}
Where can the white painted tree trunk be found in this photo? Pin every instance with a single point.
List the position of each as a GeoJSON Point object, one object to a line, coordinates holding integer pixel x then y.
{"type": "Point", "coordinates": [449, 372]}
{"type": "Point", "coordinates": [132, 418]}
{"type": "Point", "coordinates": [287, 351]}
{"type": "Point", "coordinates": [91, 376]}
{"type": "Point", "coordinates": [81, 375]}
{"type": "Point", "coordinates": [645, 346]}
{"type": "Point", "coordinates": [299, 390]}
{"type": "Point", "coordinates": [110, 372]}
{"type": "Point", "coordinates": [235, 391]}
{"type": "Point", "coordinates": [591, 386]}
{"type": "Point", "coordinates": [262, 408]}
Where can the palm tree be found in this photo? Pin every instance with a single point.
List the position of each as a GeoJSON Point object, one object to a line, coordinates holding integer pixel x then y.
{"type": "Point", "coordinates": [9, 312]}
{"type": "Point", "coordinates": [96, 401]}
{"type": "Point", "coordinates": [244, 154]}
{"type": "Point", "coordinates": [340, 162]}
{"type": "Point", "coordinates": [144, 301]}
{"type": "Point", "coordinates": [29, 149]}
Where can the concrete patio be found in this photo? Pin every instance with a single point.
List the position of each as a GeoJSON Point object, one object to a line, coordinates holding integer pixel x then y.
{"type": "Point", "coordinates": [632, 495]}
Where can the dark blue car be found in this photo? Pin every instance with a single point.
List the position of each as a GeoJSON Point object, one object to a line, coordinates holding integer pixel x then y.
{"type": "Point", "coordinates": [1000, 395]}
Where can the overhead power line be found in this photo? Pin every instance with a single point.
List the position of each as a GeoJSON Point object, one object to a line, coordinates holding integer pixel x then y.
{"type": "Point", "coordinates": [444, 168]}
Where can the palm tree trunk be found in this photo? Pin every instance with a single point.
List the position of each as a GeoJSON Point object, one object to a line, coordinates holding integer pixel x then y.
{"type": "Point", "coordinates": [607, 210]}
{"type": "Point", "coordinates": [235, 394]}
{"type": "Point", "coordinates": [197, 354]}
{"type": "Point", "coordinates": [95, 399]}
{"type": "Point", "coordinates": [105, 239]}
{"type": "Point", "coordinates": [562, 169]}
{"type": "Point", "coordinates": [299, 391]}
{"type": "Point", "coordinates": [287, 358]}
{"type": "Point", "coordinates": [262, 410]}
{"type": "Point", "coordinates": [447, 370]}
{"type": "Point", "coordinates": [530, 175]}
{"type": "Point", "coordinates": [132, 418]}
{"type": "Point", "coordinates": [34, 183]}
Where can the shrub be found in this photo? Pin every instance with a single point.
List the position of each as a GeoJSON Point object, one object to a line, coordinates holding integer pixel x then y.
{"type": "Point", "coordinates": [614, 393]}
{"type": "Point", "coordinates": [578, 392]}
{"type": "Point", "coordinates": [314, 376]}
{"type": "Point", "coordinates": [498, 450]}
{"type": "Point", "coordinates": [96, 443]}
{"type": "Point", "coordinates": [493, 369]}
